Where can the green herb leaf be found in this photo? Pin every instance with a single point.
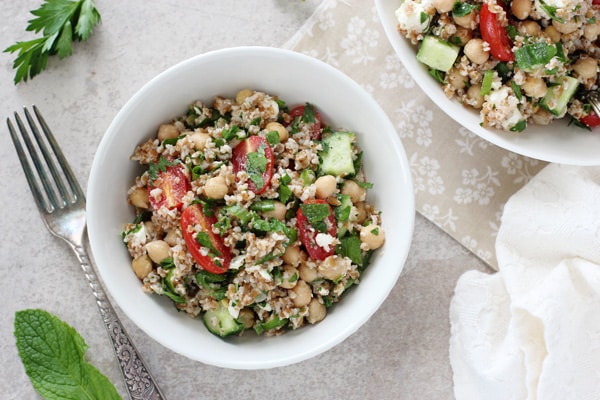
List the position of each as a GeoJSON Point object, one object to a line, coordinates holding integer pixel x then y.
{"type": "Point", "coordinates": [316, 213]}
{"type": "Point", "coordinates": [462, 9]}
{"type": "Point", "coordinates": [155, 168]}
{"type": "Point", "coordinates": [53, 354]}
{"type": "Point", "coordinates": [273, 138]}
{"type": "Point", "coordinates": [273, 323]}
{"type": "Point", "coordinates": [520, 126]}
{"type": "Point", "coordinates": [61, 22]}
{"type": "Point", "coordinates": [256, 166]}
{"type": "Point", "coordinates": [350, 247]}
{"type": "Point", "coordinates": [231, 133]}
{"type": "Point", "coordinates": [534, 54]}
{"type": "Point", "coordinates": [204, 240]}
{"type": "Point", "coordinates": [486, 85]}
{"type": "Point", "coordinates": [308, 116]}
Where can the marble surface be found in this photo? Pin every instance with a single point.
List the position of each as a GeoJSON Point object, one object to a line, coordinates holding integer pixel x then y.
{"type": "Point", "coordinates": [401, 353]}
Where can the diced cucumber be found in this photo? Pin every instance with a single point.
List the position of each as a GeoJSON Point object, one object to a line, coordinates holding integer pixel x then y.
{"type": "Point", "coordinates": [337, 156]}
{"type": "Point", "coordinates": [220, 322]}
{"type": "Point", "coordinates": [437, 53]}
{"type": "Point", "coordinates": [559, 95]}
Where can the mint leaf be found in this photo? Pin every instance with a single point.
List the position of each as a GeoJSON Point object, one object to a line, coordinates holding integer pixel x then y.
{"type": "Point", "coordinates": [53, 353]}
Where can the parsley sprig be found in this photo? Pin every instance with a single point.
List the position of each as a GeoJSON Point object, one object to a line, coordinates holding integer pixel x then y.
{"type": "Point", "coordinates": [61, 22]}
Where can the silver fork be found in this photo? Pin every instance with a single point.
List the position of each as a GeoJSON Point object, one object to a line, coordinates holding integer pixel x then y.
{"type": "Point", "coordinates": [594, 100]}
{"type": "Point", "coordinates": [61, 203]}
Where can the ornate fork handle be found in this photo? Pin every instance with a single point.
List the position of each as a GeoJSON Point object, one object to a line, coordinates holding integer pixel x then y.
{"type": "Point", "coordinates": [139, 381]}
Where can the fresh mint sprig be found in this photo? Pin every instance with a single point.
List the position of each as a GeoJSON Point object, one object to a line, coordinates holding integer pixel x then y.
{"type": "Point", "coordinates": [53, 353]}
{"type": "Point", "coordinates": [61, 22]}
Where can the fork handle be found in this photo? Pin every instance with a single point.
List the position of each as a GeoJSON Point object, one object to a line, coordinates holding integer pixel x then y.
{"type": "Point", "coordinates": [140, 383]}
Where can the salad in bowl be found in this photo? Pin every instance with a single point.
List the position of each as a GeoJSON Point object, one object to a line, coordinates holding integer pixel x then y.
{"type": "Point", "coordinates": [518, 63]}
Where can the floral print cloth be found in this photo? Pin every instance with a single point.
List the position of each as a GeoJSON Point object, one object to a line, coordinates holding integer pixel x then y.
{"type": "Point", "coordinates": [461, 181]}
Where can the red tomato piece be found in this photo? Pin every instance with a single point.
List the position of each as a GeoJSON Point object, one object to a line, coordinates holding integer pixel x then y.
{"type": "Point", "coordinates": [596, 2]}
{"type": "Point", "coordinates": [298, 112]}
{"type": "Point", "coordinates": [308, 233]}
{"type": "Point", "coordinates": [173, 184]}
{"type": "Point", "coordinates": [255, 156]}
{"type": "Point", "coordinates": [495, 34]}
{"type": "Point", "coordinates": [206, 247]}
{"type": "Point", "coordinates": [592, 120]}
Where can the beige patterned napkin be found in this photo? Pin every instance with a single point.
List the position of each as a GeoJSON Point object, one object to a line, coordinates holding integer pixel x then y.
{"type": "Point", "coordinates": [461, 181]}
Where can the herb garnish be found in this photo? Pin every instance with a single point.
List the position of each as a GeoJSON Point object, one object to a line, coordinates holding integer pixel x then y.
{"type": "Point", "coordinates": [53, 354]}
{"type": "Point", "coordinates": [61, 22]}
{"type": "Point", "coordinates": [315, 214]}
{"type": "Point", "coordinates": [256, 166]}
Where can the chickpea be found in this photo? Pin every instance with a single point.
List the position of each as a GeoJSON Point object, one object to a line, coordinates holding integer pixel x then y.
{"type": "Point", "coordinates": [149, 226]}
{"type": "Point", "coordinates": [332, 268]}
{"type": "Point", "coordinates": [475, 52]}
{"type": "Point", "coordinates": [466, 21]}
{"type": "Point", "coordinates": [361, 212]}
{"type": "Point", "coordinates": [463, 35]}
{"type": "Point", "coordinates": [454, 78]}
{"type": "Point", "coordinates": [521, 8]}
{"type": "Point", "coordinates": [199, 139]}
{"type": "Point", "coordinates": [289, 277]}
{"type": "Point", "coordinates": [542, 117]}
{"type": "Point", "coordinates": [586, 68]}
{"type": "Point", "coordinates": [278, 212]}
{"type": "Point", "coordinates": [139, 197]}
{"type": "Point", "coordinates": [171, 238]}
{"type": "Point", "coordinates": [566, 27]}
{"type": "Point", "coordinates": [373, 236]}
{"type": "Point", "coordinates": [535, 87]}
{"type": "Point", "coordinates": [242, 95]}
{"type": "Point", "coordinates": [353, 190]}
{"type": "Point", "coordinates": [216, 187]}
{"type": "Point", "coordinates": [592, 31]}
{"type": "Point", "coordinates": [443, 6]}
{"type": "Point", "coordinates": [552, 33]}
{"type": "Point", "coordinates": [530, 28]}
{"type": "Point", "coordinates": [307, 273]}
{"type": "Point", "coordinates": [293, 255]}
{"type": "Point", "coordinates": [246, 317]}
{"type": "Point", "coordinates": [302, 293]}
{"type": "Point", "coordinates": [316, 311]}
{"type": "Point", "coordinates": [325, 186]}
{"type": "Point", "coordinates": [157, 250]}
{"type": "Point", "coordinates": [142, 266]}
{"type": "Point", "coordinates": [280, 129]}
{"type": "Point", "coordinates": [167, 131]}
{"type": "Point", "coordinates": [475, 99]}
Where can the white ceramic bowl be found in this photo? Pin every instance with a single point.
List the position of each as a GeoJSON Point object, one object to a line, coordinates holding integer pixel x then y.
{"type": "Point", "coordinates": [295, 78]}
{"type": "Point", "coordinates": [557, 143]}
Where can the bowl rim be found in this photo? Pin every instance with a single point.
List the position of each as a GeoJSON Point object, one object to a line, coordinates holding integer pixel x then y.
{"type": "Point", "coordinates": [93, 193]}
{"type": "Point", "coordinates": [530, 143]}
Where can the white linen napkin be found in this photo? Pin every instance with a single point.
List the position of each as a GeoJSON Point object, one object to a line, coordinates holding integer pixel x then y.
{"type": "Point", "coordinates": [532, 330]}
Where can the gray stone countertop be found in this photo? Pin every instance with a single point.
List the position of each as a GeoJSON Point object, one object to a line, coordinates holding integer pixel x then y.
{"type": "Point", "coordinates": [400, 353]}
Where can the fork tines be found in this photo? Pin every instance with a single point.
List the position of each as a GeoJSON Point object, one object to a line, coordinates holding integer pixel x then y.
{"type": "Point", "coordinates": [48, 173]}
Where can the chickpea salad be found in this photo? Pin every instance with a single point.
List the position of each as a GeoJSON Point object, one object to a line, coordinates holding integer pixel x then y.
{"type": "Point", "coordinates": [518, 62]}
{"type": "Point", "coordinates": [251, 215]}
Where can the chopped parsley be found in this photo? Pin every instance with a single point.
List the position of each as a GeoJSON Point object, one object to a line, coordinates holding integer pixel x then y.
{"type": "Point", "coordinates": [256, 166]}
{"type": "Point", "coordinates": [161, 166]}
{"type": "Point", "coordinates": [316, 214]}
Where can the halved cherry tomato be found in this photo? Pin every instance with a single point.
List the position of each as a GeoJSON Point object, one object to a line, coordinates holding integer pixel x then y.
{"type": "Point", "coordinates": [495, 34]}
{"type": "Point", "coordinates": [255, 156]}
{"type": "Point", "coordinates": [308, 233]}
{"type": "Point", "coordinates": [207, 247]}
{"type": "Point", "coordinates": [298, 111]}
{"type": "Point", "coordinates": [592, 120]}
{"type": "Point", "coordinates": [596, 2]}
{"type": "Point", "coordinates": [173, 184]}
